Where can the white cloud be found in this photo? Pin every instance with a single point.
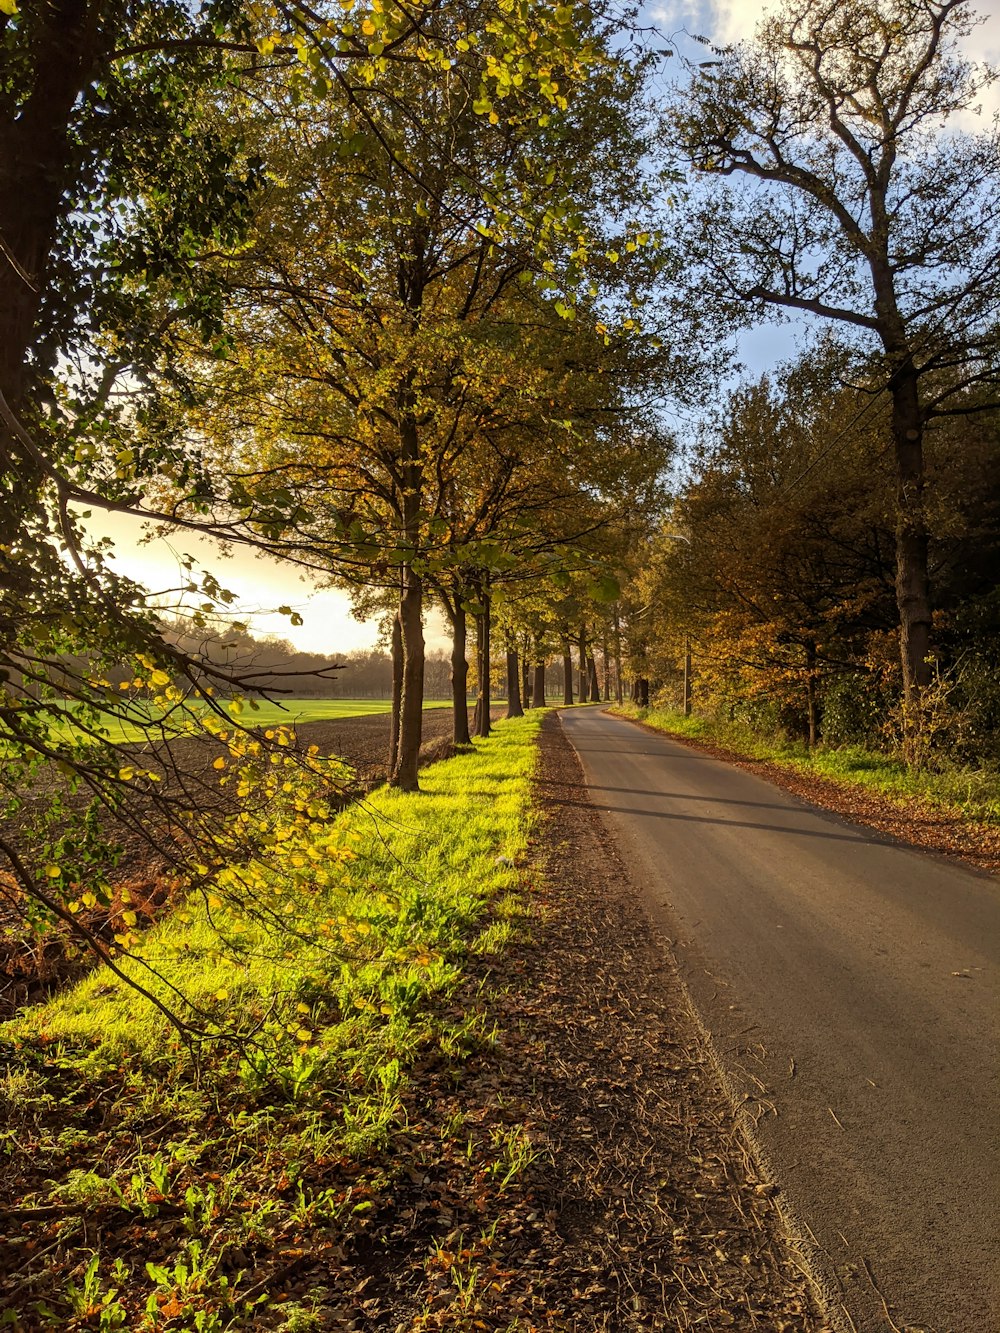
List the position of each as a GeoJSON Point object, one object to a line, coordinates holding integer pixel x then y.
{"type": "Point", "coordinates": [726, 21]}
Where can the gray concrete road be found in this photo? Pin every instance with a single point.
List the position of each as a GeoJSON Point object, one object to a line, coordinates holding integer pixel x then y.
{"type": "Point", "coordinates": [850, 986]}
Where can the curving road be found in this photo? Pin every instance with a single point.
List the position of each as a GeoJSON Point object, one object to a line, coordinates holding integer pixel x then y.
{"type": "Point", "coordinates": [850, 986]}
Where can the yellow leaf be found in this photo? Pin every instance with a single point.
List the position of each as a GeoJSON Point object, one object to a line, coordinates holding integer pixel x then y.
{"type": "Point", "coordinates": [160, 678]}
{"type": "Point", "coordinates": [219, 763]}
{"type": "Point", "coordinates": [52, 872]}
{"type": "Point", "coordinates": [222, 994]}
{"type": "Point", "coordinates": [8, 7]}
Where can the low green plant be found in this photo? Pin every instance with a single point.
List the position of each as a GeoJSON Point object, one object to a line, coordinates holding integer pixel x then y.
{"type": "Point", "coordinates": [92, 1302]}
{"type": "Point", "coordinates": [516, 1153]}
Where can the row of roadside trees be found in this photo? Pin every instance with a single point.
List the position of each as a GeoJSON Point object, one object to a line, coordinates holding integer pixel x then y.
{"type": "Point", "coordinates": [396, 293]}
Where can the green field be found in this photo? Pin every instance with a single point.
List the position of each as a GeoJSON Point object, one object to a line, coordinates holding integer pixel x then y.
{"type": "Point", "coordinates": [262, 714]}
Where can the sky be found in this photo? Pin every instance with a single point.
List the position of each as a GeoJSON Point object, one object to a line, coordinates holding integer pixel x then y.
{"type": "Point", "coordinates": [725, 21]}
{"type": "Point", "coordinates": [261, 584]}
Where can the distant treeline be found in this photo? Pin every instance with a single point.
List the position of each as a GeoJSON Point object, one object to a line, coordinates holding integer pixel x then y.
{"type": "Point", "coordinates": [362, 674]}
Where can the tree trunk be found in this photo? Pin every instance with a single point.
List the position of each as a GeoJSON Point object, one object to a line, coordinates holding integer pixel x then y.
{"type": "Point", "coordinates": [404, 774]}
{"type": "Point", "coordinates": [606, 665]}
{"type": "Point", "coordinates": [69, 41]}
{"type": "Point", "coordinates": [538, 689]}
{"type": "Point", "coordinates": [459, 674]}
{"type": "Point", "coordinates": [642, 692]}
{"type": "Point", "coordinates": [482, 727]}
{"type": "Point", "coordinates": [514, 708]}
{"type": "Point", "coordinates": [812, 712]}
{"type": "Point", "coordinates": [687, 676]}
{"type": "Point", "coordinates": [595, 690]}
{"type": "Point", "coordinates": [397, 693]}
{"type": "Point", "coordinates": [912, 578]}
{"type": "Point", "coordinates": [525, 682]}
{"type": "Point", "coordinates": [567, 674]}
{"type": "Point", "coordinates": [411, 605]}
{"type": "Point", "coordinates": [619, 683]}
{"type": "Point", "coordinates": [583, 679]}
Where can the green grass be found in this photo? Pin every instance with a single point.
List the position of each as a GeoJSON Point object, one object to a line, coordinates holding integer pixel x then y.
{"type": "Point", "coordinates": [975, 792]}
{"type": "Point", "coordinates": [422, 869]}
{"type": "Point", "coordinates": [366, 978]}
{"type": "Point", "coordinates": [265, 714]}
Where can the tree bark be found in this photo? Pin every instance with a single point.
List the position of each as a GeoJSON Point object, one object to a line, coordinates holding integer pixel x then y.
{"type": "Point", "coordinates": [514, 708]}
{"type": "Point", "coordinates": [912, 578]}
{"type": "Point", "coordinates": [567, 674]}
{"type": "Point", "coordinates": [619, 683]}
{"type": "Point", "coordinates": [68, 45]}
{"type": "Point", "coordinates": [397, 693]}
{"type": "Point", "coordinates": [606, 670]}
{"type": "Point", "coordinates": [583, 684]}
{"type": "Point", "coordinates": [812, 711]}
{"type": "Point", "coordinates": [482, 717]}
{"type": "Point", "coordinates": [525, 682]}
{"type": "Point", "coordinates": [459, 674]}
{"type": "Point", "coordinates": [642, 692]}
{"type": "Point", "coordinates": [538, 689]}
{"type": "Point", "coordinates": [404, 773]}
{"type": "Point", "coordinates": [595, 689]}
{"type": "Point", "coordinates": [407, 764]}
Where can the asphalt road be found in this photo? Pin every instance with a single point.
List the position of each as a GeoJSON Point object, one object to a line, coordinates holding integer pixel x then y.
{"type": "Point", "coordinates": [850, 986]}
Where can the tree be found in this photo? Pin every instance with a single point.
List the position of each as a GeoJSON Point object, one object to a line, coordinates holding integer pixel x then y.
{"type": "Point", "coordinates": [777, 555]}
{"type": "Point", "coordinates": [402, 348]}
{"type": "Point", "coordinates": [118, 180]}
{"type": "Point", "coordinates": [869, 211]}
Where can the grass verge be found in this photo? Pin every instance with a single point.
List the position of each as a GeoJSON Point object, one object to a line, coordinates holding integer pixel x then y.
{"type": "Point", "coordinates": [972, 792]}
{"type": "Point", "coordinates": [156, 1187]}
